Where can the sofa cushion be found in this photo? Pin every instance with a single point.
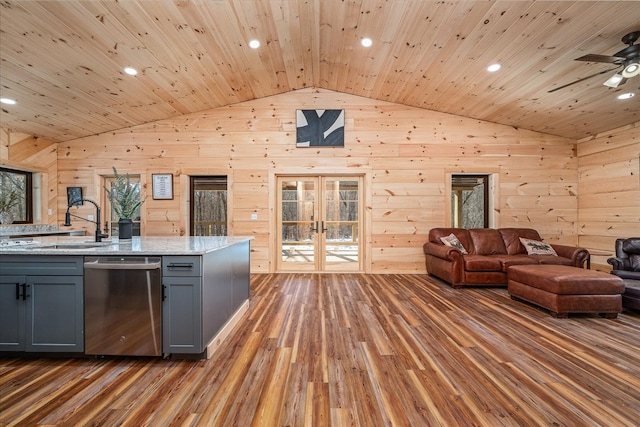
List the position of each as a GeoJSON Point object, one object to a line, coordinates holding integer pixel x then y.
{"type": "Point", "coordinates": [482, 263]}
{"type": "Point", "coordinates": [462, 234]}
{"type": "Point", "coordinates": [627, 274]}
{"type": "Point", "coordinates": [552, 260]}
{"type": "Point", "coordinates": [631, 245]}
{"type": "Point", "coordinates": [511, 238]}
{"type": "Point", "coordinates": [487, 241]}
{"type": "Point", "coordinates": [452, 241]}
{"type": "Point", "coordinates": [536, 247]}
{"type": "Point", "coordinates": [511, 260]}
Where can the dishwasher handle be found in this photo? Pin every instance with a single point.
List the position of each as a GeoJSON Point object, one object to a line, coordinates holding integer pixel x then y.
{"type": "Point", "coordinates": [95, 265]}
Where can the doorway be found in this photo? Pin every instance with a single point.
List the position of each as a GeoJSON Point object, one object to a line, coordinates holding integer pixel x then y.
{"type": "Point", "coordinates": [470, 201]}
{"type": "Point", "coordinates": [319, 223]}
{"type": "Point", "coordinates": [208, 206]}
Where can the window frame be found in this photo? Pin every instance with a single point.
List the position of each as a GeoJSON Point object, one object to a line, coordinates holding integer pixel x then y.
{"type": "Point", "coordinates": [27, 196]}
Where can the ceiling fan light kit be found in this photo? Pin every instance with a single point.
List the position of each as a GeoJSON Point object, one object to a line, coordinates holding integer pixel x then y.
{"type": "Point", "coordinates": [628, 58]}
{"type": "Point", "coordinates": [632, 69]}
{"type": "Point", "coordinates": [614, 80]}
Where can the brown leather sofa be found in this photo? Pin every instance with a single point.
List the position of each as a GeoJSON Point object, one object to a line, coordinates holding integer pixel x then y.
{"type": "Point", "coordinates": [490, 253]}
{"type": "Point", "coordinates": [626, 265]}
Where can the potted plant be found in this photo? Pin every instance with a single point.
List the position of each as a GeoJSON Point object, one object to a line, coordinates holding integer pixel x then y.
{"type": "Point", "coordinates": [126, 200]}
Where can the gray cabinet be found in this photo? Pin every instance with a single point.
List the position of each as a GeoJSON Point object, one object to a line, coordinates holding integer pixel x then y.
{"type": "Point", "coordinates": [12, 313]}
{"type": "Point", "coordinates": [201, 294]}
{"type": "Point", "coordinates": [41, 304]}
{"type": "Point", "coordinates": [182, 304]}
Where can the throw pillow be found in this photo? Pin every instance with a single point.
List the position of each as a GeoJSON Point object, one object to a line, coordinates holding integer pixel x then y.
{"type": "Point", "coordinates": [635, 262]}
{"type": "Point", "coordinates": [452, 241]}
{"type": "Point", "coordinates": [535, 247]}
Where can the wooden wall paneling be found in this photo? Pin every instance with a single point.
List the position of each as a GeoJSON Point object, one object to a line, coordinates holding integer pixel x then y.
{"type": "Point", "coordinates": [609, 188]}
{"type": "Point", "coordinates": [255, 140]}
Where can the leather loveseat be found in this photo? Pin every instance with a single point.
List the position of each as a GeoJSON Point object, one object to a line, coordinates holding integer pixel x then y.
{"type": "Point", "coordinates": [490, 252]}
{"type": "Point", "coordinates": [626, 265]}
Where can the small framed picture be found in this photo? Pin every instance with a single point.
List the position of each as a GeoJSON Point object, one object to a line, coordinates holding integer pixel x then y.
{"type": "Point", "coordinates": [162, 186]}
{"type": "Point", "coordinates": [74, 196]}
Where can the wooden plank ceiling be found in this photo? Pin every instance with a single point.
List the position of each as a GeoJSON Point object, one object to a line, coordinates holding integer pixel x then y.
{"type": "Point", "coordinates": [63, 61]}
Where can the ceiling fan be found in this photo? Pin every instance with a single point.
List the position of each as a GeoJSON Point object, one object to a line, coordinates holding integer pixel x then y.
{"type": "Point", "coordinates": [628, 58]}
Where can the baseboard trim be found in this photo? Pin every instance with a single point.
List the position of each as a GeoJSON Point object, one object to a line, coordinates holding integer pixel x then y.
{"type": "Point", "coordinates": [226, 330]}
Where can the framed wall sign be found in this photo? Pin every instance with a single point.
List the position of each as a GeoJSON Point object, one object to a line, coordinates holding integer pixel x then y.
{"type": "Point", "coordinates": [319, 128]}
{"type": "Point", "coordinates": [74, 196]}
{"type": "Point", "coordinates": [162, 186]}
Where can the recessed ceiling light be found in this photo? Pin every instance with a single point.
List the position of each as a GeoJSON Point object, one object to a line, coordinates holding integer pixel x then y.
{"type": "Point", "coordinates": [366, 42]}
{"type": "Point", "coordinates": [131, 71]}
{"type": "Point", "coordinates": [493, 68]}
{"type": "Point", "coordinates": [8, 101]}
{"type": "Point", "coordinates": [254, 44]}
{"type": "Point", "coordinates": [626, 95]}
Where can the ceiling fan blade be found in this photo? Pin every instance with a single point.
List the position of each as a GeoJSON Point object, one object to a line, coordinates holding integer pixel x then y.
{"type": "Point", "coordinates": [628, 52]}
{"type": "Point", "coordinates": [582, 79]}
{"type": "Point", "coordinates": [592, 57]}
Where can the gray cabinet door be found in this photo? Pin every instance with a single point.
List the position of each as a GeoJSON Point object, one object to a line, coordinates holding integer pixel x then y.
{"type": "Point", "coordinates": [55, 314]}
{"type": "Point", "coordinates": [12, 313]}
{"type": "Point", "coordinates": [182, 315]}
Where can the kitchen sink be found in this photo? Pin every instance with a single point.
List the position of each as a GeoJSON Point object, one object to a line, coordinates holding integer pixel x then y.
{"type": "Point", "coordinates": [77, 245]}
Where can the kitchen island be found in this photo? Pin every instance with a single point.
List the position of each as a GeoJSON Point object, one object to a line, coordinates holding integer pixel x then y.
{"type": "Point", "coordinates": [168, 295]}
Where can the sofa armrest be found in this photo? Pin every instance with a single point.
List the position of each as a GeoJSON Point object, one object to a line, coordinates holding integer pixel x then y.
{"type": "Point", "coordinates": [441, 251]}
{"type": "Point", "coordinates": [619, 263]}
{"type": "Point", "coordinates": [578, 256]}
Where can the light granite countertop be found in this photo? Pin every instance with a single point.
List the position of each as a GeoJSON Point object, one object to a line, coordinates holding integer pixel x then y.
{"type": "Point", "coordinates": [84, 245]}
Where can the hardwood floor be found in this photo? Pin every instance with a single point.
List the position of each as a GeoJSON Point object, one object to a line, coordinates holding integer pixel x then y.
{"type": "Point", "coordinates": [365, 350]}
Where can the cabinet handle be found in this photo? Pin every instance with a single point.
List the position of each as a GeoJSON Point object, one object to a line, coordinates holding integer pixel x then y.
{"type": "Point", "coordinates": [24, 291]}
{"type": "Point", "coordinates": [164, 296]}
{"type": "Point", "coordinates": [184, 266]}
{"type": "Point", "coordinates": [17, 290]}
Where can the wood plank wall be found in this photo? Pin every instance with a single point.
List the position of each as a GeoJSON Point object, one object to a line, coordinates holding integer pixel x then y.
{"type": "Point", "coordinates": [609, 187]}
{"type": "Point", "coordinates": [405, 154]}
{"type": "Point", "coordinates": [25, 152]}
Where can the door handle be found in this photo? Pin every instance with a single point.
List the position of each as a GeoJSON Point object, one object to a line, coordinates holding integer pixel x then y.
{"type": "Point", "coordinates": [323, 227]}
{"type": "Point", "coordinates": [314, 229]}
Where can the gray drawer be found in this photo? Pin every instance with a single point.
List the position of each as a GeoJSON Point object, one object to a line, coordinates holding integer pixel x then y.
{"type": "Point", "coordinates": [42, 265]}
{"type": "Point", "coordinates": [177, 266]}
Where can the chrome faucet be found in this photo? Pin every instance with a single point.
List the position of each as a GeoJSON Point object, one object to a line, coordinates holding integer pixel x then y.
{"type": "Point", "coordinates": [68, 215]}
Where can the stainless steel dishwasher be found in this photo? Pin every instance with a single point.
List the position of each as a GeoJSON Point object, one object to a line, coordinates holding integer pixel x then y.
{"type": "Point", "coordinates": [123, 312]}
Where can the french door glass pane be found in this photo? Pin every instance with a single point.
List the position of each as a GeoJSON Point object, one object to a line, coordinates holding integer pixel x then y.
{"type": "Point", "coordinates": [298, 221]}
{"type": "Point", "coordinates": [341, 221]}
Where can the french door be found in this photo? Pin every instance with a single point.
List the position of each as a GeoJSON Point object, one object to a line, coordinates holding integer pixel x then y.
{"type": "Point", "coordinates": [319, 223]}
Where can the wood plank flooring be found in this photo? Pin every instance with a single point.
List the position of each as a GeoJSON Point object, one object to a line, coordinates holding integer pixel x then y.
{"type": "Point", "coordinates": [354, 349]}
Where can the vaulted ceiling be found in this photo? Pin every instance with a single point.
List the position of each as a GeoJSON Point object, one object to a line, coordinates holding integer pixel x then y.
{"type": "Point", "coordinates": [62, 61]}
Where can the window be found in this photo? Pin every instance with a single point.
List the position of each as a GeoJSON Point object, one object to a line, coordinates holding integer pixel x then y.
{"type": "Point", "coordinates": [470, 201]}
{"type": "Point", "coordinates": [110, 217]}
{"type": "Point", "coordinates": [208, 206]}
{"type": "Point", "coordinates": [16, 196]}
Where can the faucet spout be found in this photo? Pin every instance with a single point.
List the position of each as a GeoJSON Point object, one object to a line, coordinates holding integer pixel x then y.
{"type": "Point", "coordinates": [67, 218]}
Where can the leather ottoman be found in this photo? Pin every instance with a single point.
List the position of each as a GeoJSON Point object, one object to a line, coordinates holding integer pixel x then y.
{"type": "Point", "coordinates": [631, 296]}
{"type": "Point", "coordinates": [562, 289]}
